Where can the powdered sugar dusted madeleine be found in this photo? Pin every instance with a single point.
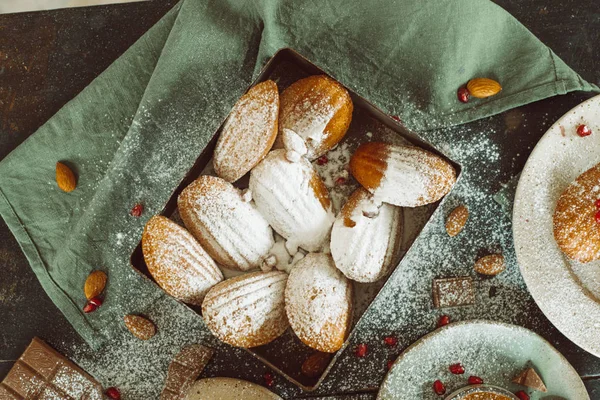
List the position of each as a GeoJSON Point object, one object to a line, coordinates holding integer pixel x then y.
{"type": "Point", "coordinates": [227, 225]}
{"type": "Point", "coordinates": [576, 229]}
{"type": "Point", "coordinates": [294, 199]}
{"type": "Point", "coordinates": [248, 133]}
{"type": "Point", "coordinates": [365, 239]}
{"type": "Point", "coordinates": [248, 310]}
{"type": "Point", "coordinates": [177, 262]}
{"type": "Point", "coordinates": [319, 110]}
{"type": "Point", "coordinates": [405, 176]}
{"type": "Point", "coordinates": [318, 302]}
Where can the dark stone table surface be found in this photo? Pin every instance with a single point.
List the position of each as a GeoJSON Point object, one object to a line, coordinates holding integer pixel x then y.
{"type": "Point", "coordinates": [46, 58]}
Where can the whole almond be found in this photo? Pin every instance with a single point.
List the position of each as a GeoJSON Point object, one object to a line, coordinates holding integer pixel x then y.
{"type": "Point", "coordinates": [140, 327]}
{"type": "Point", "coordinates": [490, 265]}
{"type": "Point", "coordinates": [483, 87]}
{"type": "Point", "coordinates": [456, 220]}
{"type": "Point", "coordinates": [315, 364]}
{"type": "Point", "coordinates": [94, 284]}
{"type": "Point", "coordinates": [65, 178]}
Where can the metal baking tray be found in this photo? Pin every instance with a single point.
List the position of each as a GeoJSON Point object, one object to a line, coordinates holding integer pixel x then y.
{"type": "Point", "coordinates": [286, 354]}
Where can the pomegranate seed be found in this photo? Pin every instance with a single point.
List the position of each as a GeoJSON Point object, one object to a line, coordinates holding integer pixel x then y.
{"type": "Point", "coordinates": [396, 118]}
{"type": "Point", "coordinates": [269, 379]}
{"type": "Point", "coordinates": [597, 216]}
{"type": "Point", "coordinates": [444, 320]}
{"type": "Point", "coordinates": [340, 181]}
{"type": "Point", "coordinates": [390, 341]}
{"type": "Point", "coordinates": [583, 130]}
{"type": "Point", "coordinates": [463, 95]}
{"type": "Point", "coordinates": [89, 307]}
{"type": "Point", "coordinates": [475, 380]}
{"type": "Point", "coordinates": [322, 160]}
{"type": "Point", "coordinates": [113, 393]}
{"type": "Point", "coordinates": [390, 363]}
{"type": "Point", "coordinates": [457, 369]}
{"type": "Point", "coordinates": [137, 210]}
{"type": "Point", "coordinates": [598, 203]}
{"type": "Point", "coordinates": [439, 388]}
{"type": "Point", "coordinates": [361, 350]}
{"type": "Point", "coordinates": [96, 301]}
{"type": "Point", "coordinates": [522, 395]}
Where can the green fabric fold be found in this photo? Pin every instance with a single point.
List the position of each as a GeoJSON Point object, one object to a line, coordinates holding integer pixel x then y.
{"type": "Point", "coordinates": [134, 132]}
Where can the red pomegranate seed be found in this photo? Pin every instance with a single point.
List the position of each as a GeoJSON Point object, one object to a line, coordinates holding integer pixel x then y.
{"type": "Point", "coordinates": [89, 307]}
{"type": "Point", "coordinates": [475, 380]}
{"type": "Point", "coordinates": [598, 203]}
{"type": "Point", "coordinates": [396, 118]}
{"type": "Point", "coordinates": [340, 181]}
{"type": "Point", "coordinates": [463, 95]}
{"type": "Point", "coordinates": [361, 350]}
{"type": "Point", "coordinates": [597, 216]}
{"type": "Point", "coordinates": [113, 393]}
{"type": "Point", "coordinates": [583, 130]}
{"type": "Point", "coordinates": [269, 379]}
{"type": "Point", "coordinates": [457, 369]}
{"type": "Point", "coordinates": [390, 341]}
{"type": "Point", "coordinates": [439, 388]}
{"type": "Point", "coordinates": [322, 160]}
{"type": "Point", "coordinates": [522, 395]}
{"type": "Point", "coordinates": [444, 320]}
{"type": "Point", "coordinates": [96, 301]}
{"type": "Point", "coordinates": [390, 364]}
{"type": "Point", "coordinates": [137, 210]}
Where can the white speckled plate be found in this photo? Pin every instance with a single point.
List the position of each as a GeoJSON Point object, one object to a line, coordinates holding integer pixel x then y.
{"type": "Point", "coordinates": [228, 389]}
{"type": "Point", "coordinates": [495, 352]}
{"type": "Point", "coordinates": [566, 291]}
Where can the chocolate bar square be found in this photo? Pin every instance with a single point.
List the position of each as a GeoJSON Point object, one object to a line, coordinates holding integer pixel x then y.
{"type": "Point", "coordinates": [453, 292]}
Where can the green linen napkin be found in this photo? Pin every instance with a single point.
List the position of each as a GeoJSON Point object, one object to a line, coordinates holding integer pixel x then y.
{"type": "Point", "coordinates": [133, 133]}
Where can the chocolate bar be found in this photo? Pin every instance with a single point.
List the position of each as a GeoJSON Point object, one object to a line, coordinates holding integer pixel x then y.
{"type": "Point", "coordinates": [184, 370]}
{"type": "Point", "coordinates": [531, 379]}
{"type": "Point", "coordinates": [41, 373]}
{"type": "Point", "coordinates": [453, 292]}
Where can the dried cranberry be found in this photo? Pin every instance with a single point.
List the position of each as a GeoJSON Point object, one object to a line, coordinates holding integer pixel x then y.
{"type": "Point", "coordinates": [89, 307]}
{"type": "Point", "coordinates": [340, 181]}
{"type": "Point", "coordinates": [137, 210]}
{"type": "Point", "coordinates": [390, 364]}
{"type": "Point", "coordinates": [396, 118]}
{"type": "Point", "coordinates": [583, 130]}
{"type": "Point", "coordinates": [439, 388]}
{"type": "Point", "coordinates": [475, 380]}
{"type": "Point", "coordinates": [522, 395]}
{"type": "Point", "coordinates": [96, 301]}
{"type": "Point", "coordinates": [269, 379]}
{"type": "Point", "coordinates": [597, 216]}
{"type": "Point", "coordinates": [444, 320]}
{"type": "Point", "coordinates": [322, 160]}
{"type": "Point", "coordinates": [463, 95]}
{"type": "Point", "coordinates": [390, 341]}
{"type": "Point", "coordinates": [113, 393]}
{"type": "Point", "coordinates": [598, 203]}
{"type": "Point", "coordinates": [361, 350]}
{"type": "Point", "coordinates": [457, 369]}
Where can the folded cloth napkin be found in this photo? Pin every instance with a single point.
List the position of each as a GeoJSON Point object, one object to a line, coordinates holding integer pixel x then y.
{"type": "Point", "coordinates": [133, 133]}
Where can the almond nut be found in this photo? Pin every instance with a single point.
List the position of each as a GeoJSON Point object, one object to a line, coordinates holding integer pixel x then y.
{"type": "Point", "coordinates": [140, 327]}
{"type": "Point", "coordinates": [94, 284]}
{"type": "Point", "coordinates": [483, 87]}
{"type": "Point", "coordinates": [456, 220]}
{"type": "Point", "coordinates": [490, 265]}
{"type": "Point", "coordinates": [65, 178]}
{"type": "Point", "coordinates": [316, 364]}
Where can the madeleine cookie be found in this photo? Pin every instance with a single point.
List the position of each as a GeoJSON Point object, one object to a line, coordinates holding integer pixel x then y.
{"type": "Point", "coordinates": [294, 199]}
{"type": "Point", "coordinates": [228, 389]}
{"type": "Point", "coordinates": [319, 110]}
{"type": "Point", "coordinates": [177, 262]}
{"type": "Point", "coordinates": [405, 176]}
{"type": "Point", "coordinates": [365, 239]}
{"type": "Point", "coordinates": [248, 310]}
{"type": "Point", "coordinates": [318, 302]}
{"type": "Point", "coordinates": [225, 222]}
{"type": "Point", "coordinates": [248, 133]}
{"type": "Point", "coordinates": [577, 218]}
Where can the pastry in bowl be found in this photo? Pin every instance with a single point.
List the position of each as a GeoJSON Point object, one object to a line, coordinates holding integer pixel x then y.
{"type": "Point", "coordinates": [318, 302]}
{"type": "Point", "coordinates": [293, 199]}
{"type": "Point", "coordinates": [404, 176]}
{"type": "Point", "coordinates": [577, 218]}
{"type": "Point", "coordinates": [248, 310]}
{"type": "Point", "coordinates": [365, 239]}
{"type": "Point", "coordinates": [248, 133]}
{"type": "Point", "coordinates": [319, 110]}
{"type": "Point", "coordinates": [225, 222]}
{"type": "Point", "coordinates": [177, 262]}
